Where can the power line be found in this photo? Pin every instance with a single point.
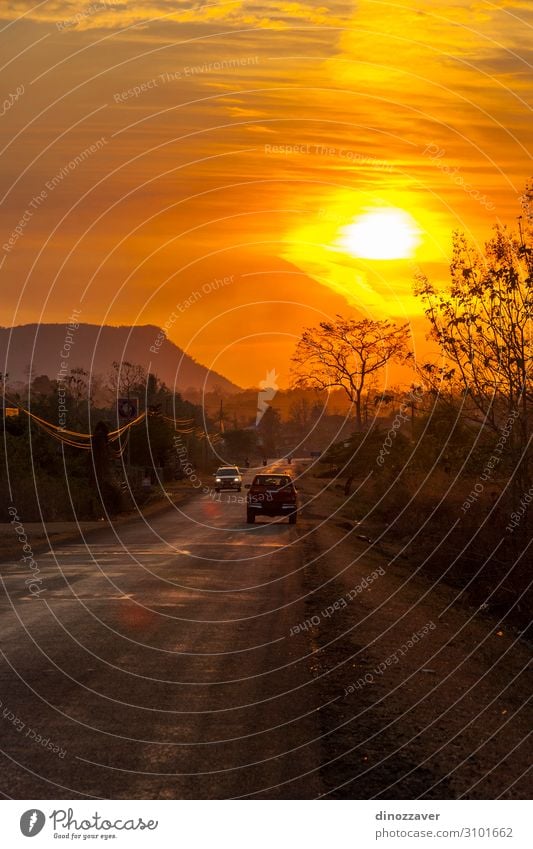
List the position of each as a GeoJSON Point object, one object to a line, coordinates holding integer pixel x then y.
{"type": "Point", "coordinates": [72, 437]}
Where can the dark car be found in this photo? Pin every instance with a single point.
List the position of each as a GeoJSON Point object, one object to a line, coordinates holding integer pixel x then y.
{"type": "Point", "coordinates": [272, 495]}
{"type": "Point", "coordinates": [228, 477]}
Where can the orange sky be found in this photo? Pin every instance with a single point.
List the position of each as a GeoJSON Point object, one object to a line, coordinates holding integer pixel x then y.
{"type": "Point", "coordinates": [255, 134]}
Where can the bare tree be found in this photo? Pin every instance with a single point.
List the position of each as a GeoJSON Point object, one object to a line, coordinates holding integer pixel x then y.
{"type": "Point", "coordinates": [127, 378]}
{"type": "Point", "coordinates": [78, 385]}
{"type": "Point", "coordinates": [482, 322]}
{"type": "Point", "coordinates": [348, 354]}
{"type": "Point", "coordinates": [300, 412]}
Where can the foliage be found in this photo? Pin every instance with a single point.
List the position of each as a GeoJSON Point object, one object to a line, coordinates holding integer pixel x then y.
{"type": "Point", "coordinates": [127, 380]}
{"type": "Point", "coordinates": [482, 322]}
{"type": "Point", "coordinates": [238, 444]}
{"type": "Point", "coordinates": [346, 354]}
{"type": "Point", "coordinates": [55, 481]}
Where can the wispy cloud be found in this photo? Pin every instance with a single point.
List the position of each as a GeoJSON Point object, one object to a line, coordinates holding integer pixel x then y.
{"type": "Point", "coordinates": [97, 14]}
{"type": "Point", "coordinates": [294, 117]}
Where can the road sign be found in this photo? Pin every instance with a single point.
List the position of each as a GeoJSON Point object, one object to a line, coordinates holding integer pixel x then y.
{"type": "Point", "coordinates": [127, 408]}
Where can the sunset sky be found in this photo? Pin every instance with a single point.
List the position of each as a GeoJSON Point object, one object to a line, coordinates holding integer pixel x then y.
{"type": "Point", "coordinates": [315, 156]}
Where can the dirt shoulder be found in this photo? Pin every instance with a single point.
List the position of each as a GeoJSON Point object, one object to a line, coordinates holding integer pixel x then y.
{"type": "Point", "coordinates": [423, 696]}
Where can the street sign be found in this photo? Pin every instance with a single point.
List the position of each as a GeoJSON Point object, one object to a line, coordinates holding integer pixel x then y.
{"type": "Point", "coordinates": [127, 408]}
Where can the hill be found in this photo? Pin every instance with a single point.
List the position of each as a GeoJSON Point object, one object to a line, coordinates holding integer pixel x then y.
{"type": "Point", "coordinates": [42, 348]}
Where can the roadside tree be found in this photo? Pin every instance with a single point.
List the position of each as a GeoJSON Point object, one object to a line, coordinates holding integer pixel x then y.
{"type": "Point", "coordinates": [482, 322]}
{"type": "Point", "coordinates": [347, 354]}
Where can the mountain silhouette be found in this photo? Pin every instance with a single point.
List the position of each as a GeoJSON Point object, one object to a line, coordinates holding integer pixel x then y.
{"type": "Point", "coordinates": [38, 349]}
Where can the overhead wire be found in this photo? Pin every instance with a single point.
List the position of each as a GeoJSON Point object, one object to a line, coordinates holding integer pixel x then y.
{"type": "Point", "coordinates": [72, 437]}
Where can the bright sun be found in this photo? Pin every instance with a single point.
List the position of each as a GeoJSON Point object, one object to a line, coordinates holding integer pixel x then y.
{"type": "Point", "coordinates": [387, 233]}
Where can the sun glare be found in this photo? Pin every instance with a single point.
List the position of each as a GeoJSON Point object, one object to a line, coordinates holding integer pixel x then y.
{"type": "Point", "coordinates": [381, 234]}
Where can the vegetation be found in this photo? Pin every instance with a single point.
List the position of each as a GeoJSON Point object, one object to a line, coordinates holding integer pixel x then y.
{"type": "Point", "coordinates": [443, 469]}
{"type": "Point", "coordinates": [449, 481]}
{"type": "Point", "coordinates": [52, 474]}
{"type": "Point", "coordinates": [347, 354]}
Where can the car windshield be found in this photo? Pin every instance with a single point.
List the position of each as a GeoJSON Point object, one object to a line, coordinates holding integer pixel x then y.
{"type": "Point", "coordinates": [274, 481]}
{"type": "Point", "coordinates": [227, 472]}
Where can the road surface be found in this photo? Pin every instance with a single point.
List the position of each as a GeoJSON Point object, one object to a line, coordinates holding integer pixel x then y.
{"type": "Point", "coordinates": [158, 663]}
{"type": "Point", "coordinates": [195, 656]}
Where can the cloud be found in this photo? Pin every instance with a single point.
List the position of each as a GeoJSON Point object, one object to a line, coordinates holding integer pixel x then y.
{"type": "Point", "coordinates": [373, 83]}
{"type": "Point", "coordinates": [105, 14]}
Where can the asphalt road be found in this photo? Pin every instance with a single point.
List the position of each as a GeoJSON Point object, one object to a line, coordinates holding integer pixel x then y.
{"type": "Point", "coordinates": [166, 660]}
{"type": "Point", "coordinates": [156, 663]}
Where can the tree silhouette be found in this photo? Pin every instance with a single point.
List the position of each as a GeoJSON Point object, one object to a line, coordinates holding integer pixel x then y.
{"type": "Point", "coordinates": [482, 322]}
{"type": "Point", "coordinates": [127, 379]}
{"type": "Point", "coordinates": [346, 353]}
